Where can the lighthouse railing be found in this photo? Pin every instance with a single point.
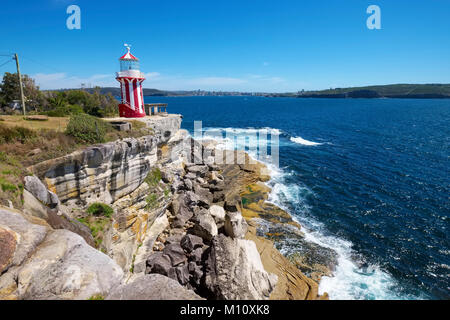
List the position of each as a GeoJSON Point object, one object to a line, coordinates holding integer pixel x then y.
{"type": "Point", "coordinates": [130, 74]}
{"type": "Point", "coordinates": [153, 109]}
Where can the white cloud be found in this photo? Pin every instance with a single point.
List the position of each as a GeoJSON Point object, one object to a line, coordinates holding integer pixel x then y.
{"type": "Point", "coordinates": [152, 75]}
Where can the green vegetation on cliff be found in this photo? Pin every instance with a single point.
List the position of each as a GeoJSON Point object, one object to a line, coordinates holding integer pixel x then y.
{"type": "Point", "coordinates": [87, 128]}
{"type": "Point", "coordinates": [98, 220]}
{"type": "Point", "coordinates": [100, 209]}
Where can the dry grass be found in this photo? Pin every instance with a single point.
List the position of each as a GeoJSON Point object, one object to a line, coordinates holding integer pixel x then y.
{"type": "Point", "coordinates": [53, 123]}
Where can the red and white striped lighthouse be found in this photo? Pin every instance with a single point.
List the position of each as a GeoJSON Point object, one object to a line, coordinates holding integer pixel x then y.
{"type": "Point", "coordinates": [130, 78]}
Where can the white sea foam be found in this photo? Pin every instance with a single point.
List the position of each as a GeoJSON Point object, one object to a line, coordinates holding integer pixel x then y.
{"type": "Point", "coordinates": [305, 142]}
{"type": "Point", "coordinates": [348, 281]}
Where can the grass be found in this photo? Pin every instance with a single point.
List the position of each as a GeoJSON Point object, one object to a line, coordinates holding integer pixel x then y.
{"type": "Point", "coordinates": [100, 209]}
{"type": "Point", "coordinates": [12, 134]}
{"type": "Point", "coordinates": [167, 192]}
{"type": "Point", "coordinates": [152, 201]}
{"type": "Point", "coordinates": [98, 220]}
{"type": "Point", "coordinates": [11, 177]}
{"type": "Point", "coordinates": [57, 124]}
{"type": "Point", "coordinates": [97, 297]}
{"type": "Point", "coordinates": [153, 177]}
{"type": "Point", "coordinates": [98, 227]}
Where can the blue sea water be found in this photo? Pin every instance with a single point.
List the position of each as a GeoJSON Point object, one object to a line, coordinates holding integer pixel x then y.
{"type": "Point", "coordinates": [369, 178]}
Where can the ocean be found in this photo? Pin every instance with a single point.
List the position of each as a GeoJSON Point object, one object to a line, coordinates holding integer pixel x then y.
{"type": "Point", "coordinates": [369, 178]}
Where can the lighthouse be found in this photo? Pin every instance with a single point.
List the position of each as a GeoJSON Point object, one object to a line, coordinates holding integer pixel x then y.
{"type": "Point", "coordinates": [130, 78]}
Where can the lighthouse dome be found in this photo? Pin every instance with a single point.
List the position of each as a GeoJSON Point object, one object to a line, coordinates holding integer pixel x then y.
{"type": "Point", "coordinates": [128, 61]}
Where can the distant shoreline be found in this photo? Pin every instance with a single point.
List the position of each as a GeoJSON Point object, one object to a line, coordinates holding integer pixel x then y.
{"type": "Point", "coordinates": [393, 91]}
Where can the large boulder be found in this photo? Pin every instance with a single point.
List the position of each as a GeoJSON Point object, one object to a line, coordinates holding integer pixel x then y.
{"type": "Point", "coordinates": [175, 253]}
{"type": "Point", "coordinates": [204, 226]}
{"type": "Point", "coordinates": [182, 216]}
{"type": "Point", "coordinates": [40, 191]}
{"type": "Point", "coordinates": [8, 245]}
{"type": "Point", "coordinates": [218, 213]}
{"type": "Point", "coordinates": [152, 287]}
{"type": "Point", "coordinates": [235, 225]}
{"type": "Point", "coordinates": [235, 271]}
{"type": "Point", "coordinates": [205, 197]}
{"type": "Point", "coordinates": [66, 267]}
{"type": "Point", "coordinates": [191, 242]}
{"type": "Point", "coordinates": [198, 170]}
{"type": "Point", "coordinates": [22, 237]}
{"type": "Point", "coordinates": [55, 217]}
{"type": "Point", "coordinates": [232, 205]}
{"type": "Point", "coordinates": [158, 263]}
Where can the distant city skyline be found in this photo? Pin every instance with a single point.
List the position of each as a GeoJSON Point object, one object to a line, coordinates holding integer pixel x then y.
{"type": "Point", "coordinates": [246, 46]}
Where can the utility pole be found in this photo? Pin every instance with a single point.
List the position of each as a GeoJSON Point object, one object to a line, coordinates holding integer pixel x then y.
{"type": "Point", "coordinates": [22, 97]}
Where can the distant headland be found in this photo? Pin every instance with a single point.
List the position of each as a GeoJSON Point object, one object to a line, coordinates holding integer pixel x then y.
{"type": "Point", "coordinates": [399, 91]}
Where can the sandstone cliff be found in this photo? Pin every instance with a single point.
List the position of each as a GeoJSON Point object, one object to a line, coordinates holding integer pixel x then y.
{"type": "Point", "coordinates": [172, 219]}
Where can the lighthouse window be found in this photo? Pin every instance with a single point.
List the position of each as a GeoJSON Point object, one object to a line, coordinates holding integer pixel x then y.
{"type": "Point", "coordinates": [129, 65]}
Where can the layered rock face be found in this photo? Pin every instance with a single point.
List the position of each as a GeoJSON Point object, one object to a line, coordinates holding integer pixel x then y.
{"type": "Point", "coordinates": [103, 173]}
{"type": "Point", "coordinates": [109, 171]}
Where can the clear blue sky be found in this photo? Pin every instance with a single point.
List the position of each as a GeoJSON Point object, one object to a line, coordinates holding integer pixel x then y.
{"type": "Point", "coordinates": [231, 45]}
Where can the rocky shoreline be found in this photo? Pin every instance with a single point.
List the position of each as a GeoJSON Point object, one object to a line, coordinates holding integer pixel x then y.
{"type": "Point", "coordinates": [182, 227]}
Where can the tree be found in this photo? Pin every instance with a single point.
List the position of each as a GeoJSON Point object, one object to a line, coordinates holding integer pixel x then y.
{"type": "Point", "coordinates": [10, 89]}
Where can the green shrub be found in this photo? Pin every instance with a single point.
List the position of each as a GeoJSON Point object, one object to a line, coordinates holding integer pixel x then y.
{"type": "Point", "coordinates": [153, 177]}
{"type": "Point", "coordinates": [97, 297]}
{"type": "Point", "coordinates": [6, 186]}
{"type": "Point", "coordinates": [87, 128]}
{"type": "Point", "coordinates": [100, 209]}
{"type": "Point", "coordinates": [65, 110]}
{"type": "Point", "coordinates": [167, 192]}
{"type": "Point", "coordinates": [15, 134]}
{"type": "Point", "coordinates": [152, 201]}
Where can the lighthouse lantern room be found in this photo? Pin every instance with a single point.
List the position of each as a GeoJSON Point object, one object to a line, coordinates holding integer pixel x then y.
{"type": "Point", "coordinates": [130, 78]}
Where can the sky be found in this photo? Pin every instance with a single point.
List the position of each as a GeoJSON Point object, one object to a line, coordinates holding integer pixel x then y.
{"type": "Point", "coordinates": [259, 46]}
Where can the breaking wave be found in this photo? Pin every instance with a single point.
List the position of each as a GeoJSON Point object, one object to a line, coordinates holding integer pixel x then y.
{"type": "Point", "coordinates": [305, 142]}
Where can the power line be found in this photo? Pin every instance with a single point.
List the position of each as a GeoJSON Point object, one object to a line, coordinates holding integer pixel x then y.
{"type": "Point", "coordinates": [1, 65]}
{"type": "Point", "coordinates": [41, 64]}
